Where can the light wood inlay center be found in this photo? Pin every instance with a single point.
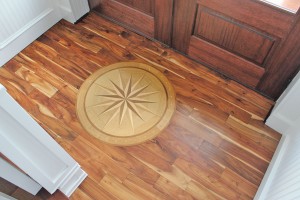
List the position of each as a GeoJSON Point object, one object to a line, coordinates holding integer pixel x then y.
{"type": "Point", "coordinates": [125, 103]}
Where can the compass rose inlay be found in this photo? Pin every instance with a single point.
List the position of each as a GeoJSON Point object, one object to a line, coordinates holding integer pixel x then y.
{"type": "Point", "coordinates": [125, 102]}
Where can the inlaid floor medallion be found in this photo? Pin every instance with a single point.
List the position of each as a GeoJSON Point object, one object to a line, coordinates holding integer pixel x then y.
{"type": "Point", "coordinates": [126, 103]}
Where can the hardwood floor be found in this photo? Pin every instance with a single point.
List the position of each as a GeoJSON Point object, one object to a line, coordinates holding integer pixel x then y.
{"type": "Point", "coordinates": [216, 146]}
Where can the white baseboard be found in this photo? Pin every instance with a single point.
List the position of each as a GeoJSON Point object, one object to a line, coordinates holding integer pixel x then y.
{"type": "Point", "coordinates": [266, 183]}
{"type": "Point", "coordinates": [27, 34]}
{"type": "Point", "coordinates": [73, 181]}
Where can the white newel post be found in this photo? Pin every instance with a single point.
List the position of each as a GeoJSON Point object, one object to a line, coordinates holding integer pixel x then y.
{"type": "Point", "coordinates": [30, 147]}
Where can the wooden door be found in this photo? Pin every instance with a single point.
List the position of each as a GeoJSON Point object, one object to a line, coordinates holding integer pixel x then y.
{"type": "Point", "coordinates": [152, 18]}
{"type": "Point", "coordinates": [236, 37]}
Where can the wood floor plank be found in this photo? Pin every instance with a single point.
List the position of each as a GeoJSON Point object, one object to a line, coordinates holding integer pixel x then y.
{"type": "Point", "coordinates": [79, 195]}
{"type": "Point", "coordinates": [54, 67]}
{"type": "Point", "coordinates": [228, 161]}
{"type": "Point", "coordinates": [141, 152]}
{"type": "Point", "coordinates": [95, 190]}
{"type": "Point", "coordinates": [102, 165]}
{"type": "Point", "coordinates": [171, 189]}
{"type": "Point", "coordinates": [215, 147]}
{"type": "Point", "coordinates": [211, 181]}
{"type": "Point", "coordinates": [237, 183]}
{"type": "Point", "coordinates": [200, 192]}
{"type": "Point", "coordinates": [38, 83]}
{"type": "Point", "coordinates": [143, 189]}
{"type": "Point", "coordinates": [244, 156]}
{"type": "Point", "coordinates": [118, 189]}
{"type": "Point", "coordinates": [248, 143]}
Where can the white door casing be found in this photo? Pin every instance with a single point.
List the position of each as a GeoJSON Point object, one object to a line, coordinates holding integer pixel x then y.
{"type": "Point", "coordinates": [30, 147]}
{"type": "Point", "coordinates": [282, 178]}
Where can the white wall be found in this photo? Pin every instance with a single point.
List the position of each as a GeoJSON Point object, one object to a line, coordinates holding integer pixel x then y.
{"type": "Point", "coordinates": [22, 21]}
{"type": "Point", "coordinates": [282, 179]}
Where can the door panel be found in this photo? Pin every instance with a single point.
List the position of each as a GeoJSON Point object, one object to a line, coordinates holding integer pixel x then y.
{"type": "Point", "coordinates": [152, 18]}
{"type": "Point", "coordinates": [254, 14]}
{"type": "Point", "coordinates": [233, 36]}
{"type": "Point", "coordinates": [129, 16]}
{"type": "Point", "coordinates": [243, 39]}
{"type": "Point", "coordinates": [145, 6]}
{"type": "Point", "coordinates": [249, 74]}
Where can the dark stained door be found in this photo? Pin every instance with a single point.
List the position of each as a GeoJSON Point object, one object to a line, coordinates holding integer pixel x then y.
{"type": "Point", "coordinates": [152, 18]}
{"type": "Point", "coordinates": [235, 37]}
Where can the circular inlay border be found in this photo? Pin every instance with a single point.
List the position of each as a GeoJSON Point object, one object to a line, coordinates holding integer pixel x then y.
{"type": "Point", "coordinates": [125, 103]}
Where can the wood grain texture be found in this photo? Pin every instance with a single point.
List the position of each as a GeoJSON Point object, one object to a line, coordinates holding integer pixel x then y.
{"type": "Point", "coordinates": [163, 20]}
{"type": "Point", "coordinates": [233, 36]}
{"type": "Point", "coordinates": [145, 6]}
{"type": "Point", "coordinates": [225, 62]}
{"type": "Point", "coordinates": [183, 24]}
{"type": "Point", "coordinates": [216, 146]}
{"type": "Point", "coordinates": [255, 14]}
{"type": "Point", "coordinates": [128, 15]}
{"type": "Point", "coordinates": [255, 32]}
{"type": "Point", "coordinates": [126, 103]}
{"type": "Point", "coordinates": [285, 65]}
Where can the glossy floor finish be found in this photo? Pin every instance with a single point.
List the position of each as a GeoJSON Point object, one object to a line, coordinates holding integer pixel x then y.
{"type": "Point", "coordinates": [216, 146]}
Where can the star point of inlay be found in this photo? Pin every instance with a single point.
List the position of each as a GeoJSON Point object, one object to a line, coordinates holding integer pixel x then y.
{"type": "Point", "coordinates": [125, 100]}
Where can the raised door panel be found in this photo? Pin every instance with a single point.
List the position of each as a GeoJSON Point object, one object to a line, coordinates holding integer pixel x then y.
{"type": "Point", "coordinates": [152, 18]}
{"type": "Point", "coordinates": [253, 13]}
{"type": "Point", "coordinates": [232, 35]}
{"type": "Point", "coordinates": [145, 6]}
{"type": "Point", "coordinates": [228, 63]}
{"type": "Point", "coordinates": [127, 15]}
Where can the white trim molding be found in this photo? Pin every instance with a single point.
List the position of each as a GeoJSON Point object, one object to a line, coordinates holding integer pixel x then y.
{"type": "Point", "coordinates": [32, 149]}
{"type": "Point", "coordinates": [282, 179]}
{"type": "Point", "coordinates": [13, 175]}
{"type": "Point", "coordinates": [26, 27]}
